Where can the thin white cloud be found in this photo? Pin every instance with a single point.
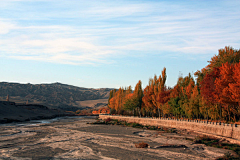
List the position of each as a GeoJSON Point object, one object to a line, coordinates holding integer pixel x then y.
{"type": "Point", "coordinates": [113, 11]}
{"type": "Point", "coordinates": [5, 26]}
{"type": "Point", "coordinates": [100, 33]}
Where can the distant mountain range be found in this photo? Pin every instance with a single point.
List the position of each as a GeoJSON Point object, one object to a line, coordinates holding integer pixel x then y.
{"type": "Point", "coordinates": [55, 95]}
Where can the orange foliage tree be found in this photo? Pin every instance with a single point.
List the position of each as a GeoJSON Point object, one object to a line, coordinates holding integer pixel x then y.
{"type": "Point", "coordinates": [223, 92]}
{"type": "Point", "coordinates": [155, 94]}
{"type": "Point", "coordinates": [235, 87]}
{"type": "Point", "coordinates": [215, 93]}
{"type": "Point", "coordinates": [124, 100]}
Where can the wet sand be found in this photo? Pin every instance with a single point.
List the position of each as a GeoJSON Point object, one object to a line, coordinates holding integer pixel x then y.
{"type": "Point", "coordinates": [75, 139]}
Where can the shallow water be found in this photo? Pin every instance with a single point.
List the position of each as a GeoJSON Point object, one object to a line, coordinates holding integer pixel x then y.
{"type": "Point", "coordinates": [46, 121]}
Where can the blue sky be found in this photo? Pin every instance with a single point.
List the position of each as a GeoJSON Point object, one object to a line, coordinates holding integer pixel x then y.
{"type": "Point", "coordinates": [113, 43]}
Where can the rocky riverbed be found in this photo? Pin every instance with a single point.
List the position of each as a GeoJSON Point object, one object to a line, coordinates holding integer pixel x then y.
{"type": "Point", "coordinates": [75, 138]}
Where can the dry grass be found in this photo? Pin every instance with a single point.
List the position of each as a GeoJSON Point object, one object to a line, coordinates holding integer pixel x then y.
{"type": "Point", "coordinates": [92, 103]}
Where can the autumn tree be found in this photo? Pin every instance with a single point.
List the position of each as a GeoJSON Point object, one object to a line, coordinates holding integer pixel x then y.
{"type": "Point", "coordinates": [215, 94]}
{"type": "Point", "coordinates": [110, 96]}
{"type": "Point", "coordinates": [234, 88]}
{"type": "Point", "coordinates": [147, 98]}
{"type": "Point", "coordinates": [211, 101]}
{"type": "Point", "coordinates": [227, 54]}
{"type": "Point", "coordinates": [117, 101]}
{"type": "Point", "coordinates": [223, 93]}
{"type": "Point", "coordinates": [163, 98]}
{"type": "Point", "coordinates": [138, 95]}
{"type": "Point", "coordinates": [163, 93]}
{"type": "Point", "coordinates": [175, 108]}
{"type": "Point", "coordinates": [133, 100]}
{"type": "Point", "coordinates": [174, 101]}
{"type": "Point", "coordinates": [154, 93]}
{"type": "Point", "coordinates": [183, 91]}
{"type": "Point", "coordinates": [207, 86]}
{"type": "Point", "coordinates": [208, 90]}
{"type": "Point", "coordinates": [194, 103]}
{"type": "Point", "coordinates": [131, 103]}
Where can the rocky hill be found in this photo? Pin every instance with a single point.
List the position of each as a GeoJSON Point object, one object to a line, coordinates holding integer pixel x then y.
{"type": "Point", "coordinates": [55, 95]}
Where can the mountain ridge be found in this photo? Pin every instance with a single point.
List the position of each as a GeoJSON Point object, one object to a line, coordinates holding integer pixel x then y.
{"type": "Point", "coordinates": [54, 95]}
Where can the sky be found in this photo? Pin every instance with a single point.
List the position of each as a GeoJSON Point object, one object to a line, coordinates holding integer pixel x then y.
{"type": "Point", "coordinates": [112, 43]}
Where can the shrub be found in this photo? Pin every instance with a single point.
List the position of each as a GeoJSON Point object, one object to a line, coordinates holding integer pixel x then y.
{"type": "Point", "coordinates": [108, 120]}
{"type": "Point", "coordinates": [136, 125]}
{"type": "Point", "coordinates": [152, 128]}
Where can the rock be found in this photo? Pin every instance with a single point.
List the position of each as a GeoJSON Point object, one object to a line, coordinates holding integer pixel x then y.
{"type": "Point", "coordinates": [141, 145]}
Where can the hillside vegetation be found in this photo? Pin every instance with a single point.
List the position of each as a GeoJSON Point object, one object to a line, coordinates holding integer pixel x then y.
{"type": "Point", "coordinates": [55, 95]}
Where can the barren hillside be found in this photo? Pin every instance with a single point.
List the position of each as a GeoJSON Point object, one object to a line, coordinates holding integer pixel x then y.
{"type": "Point", "coordinates": [55, 95]}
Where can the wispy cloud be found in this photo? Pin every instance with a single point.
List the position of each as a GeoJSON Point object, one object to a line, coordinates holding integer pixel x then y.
{"type": "Point", "coordinates": [5, 26]}
{"type": "Point", "coordinates": [92, 33]}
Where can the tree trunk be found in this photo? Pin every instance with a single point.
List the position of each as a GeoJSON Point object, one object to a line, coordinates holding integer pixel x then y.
{"type": "Point", "coordinates": [159, 113]}
{"type": "Point", "coordinates": [139, 112]}
{"type": "Point", "coordinates": [229, 116]}
{"type": "Point", "coordinates": [220, 112]}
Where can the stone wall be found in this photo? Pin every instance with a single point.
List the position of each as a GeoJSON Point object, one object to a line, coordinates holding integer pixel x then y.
{"type": "Point", "coordinates": [220, 129]}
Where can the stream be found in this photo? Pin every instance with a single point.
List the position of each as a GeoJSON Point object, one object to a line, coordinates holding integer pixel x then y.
{"type": "Point", "coordinates": [45, 121]}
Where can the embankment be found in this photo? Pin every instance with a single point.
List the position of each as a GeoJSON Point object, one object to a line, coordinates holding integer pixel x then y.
{"type": "Point", "coordinates": [220, 129]}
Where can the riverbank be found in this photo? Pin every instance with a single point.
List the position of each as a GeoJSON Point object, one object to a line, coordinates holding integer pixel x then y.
{"type": "Point", "coordinates": [11, 112]}
{"type": "Point", "coordinates": [76, 138]}
{"type": "Point", "coordinates": [229, 132]}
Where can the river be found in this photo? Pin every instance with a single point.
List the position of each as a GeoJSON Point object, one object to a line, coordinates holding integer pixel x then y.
{"type": "Point", "coordinates": [76, 138]}
{"type": "Point", "coordinates": [46, 121]}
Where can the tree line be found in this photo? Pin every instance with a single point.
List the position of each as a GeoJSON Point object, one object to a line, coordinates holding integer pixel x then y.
{"type": "Point", "coordinates": [214, 94]}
